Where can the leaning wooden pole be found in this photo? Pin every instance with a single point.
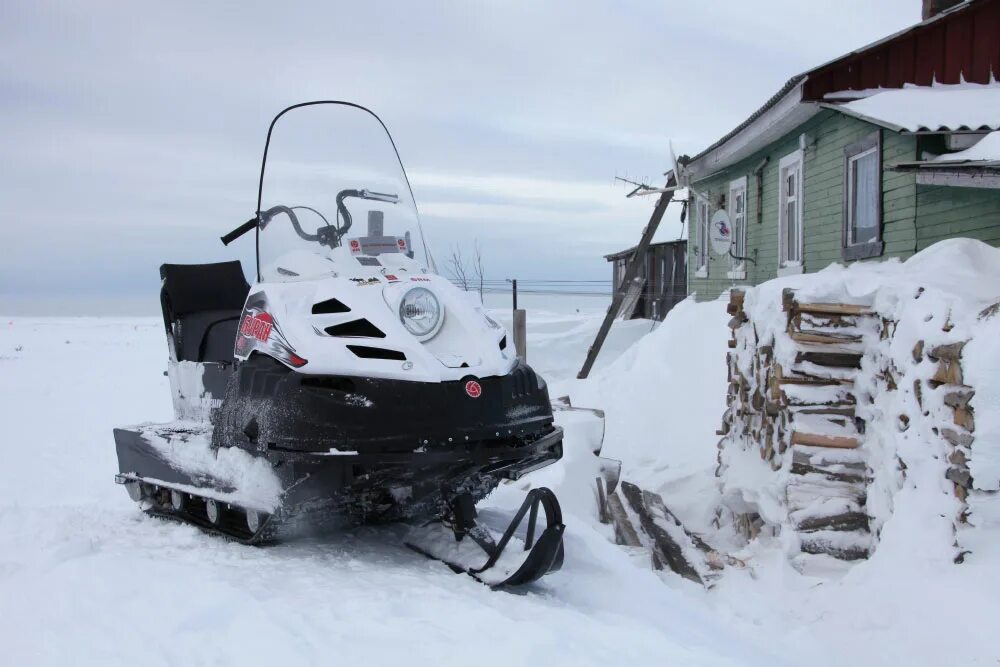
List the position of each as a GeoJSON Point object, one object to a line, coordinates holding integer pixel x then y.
{"type": "Point", "coordinates": [631, 269]}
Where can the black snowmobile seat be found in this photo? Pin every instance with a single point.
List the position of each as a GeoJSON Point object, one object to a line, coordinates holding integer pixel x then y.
{"type": "Point", "coordinates": [202, 305]}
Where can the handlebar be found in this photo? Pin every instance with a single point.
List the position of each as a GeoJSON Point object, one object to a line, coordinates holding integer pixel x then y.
{"type": "Point", "coordinates": [239, 231]}
{"type": "Point", "coordinates": [261, 220]}
{"type": "Point", "coordinates": [327, 235]}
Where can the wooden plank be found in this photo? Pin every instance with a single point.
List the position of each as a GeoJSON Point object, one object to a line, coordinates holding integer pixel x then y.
{"type": "Point", "coordinates": [521, 333]}
{"type": "Point", "coordinates": [815, 382]}
{"type": "Point", "coordinates": [624, 530]}
{"type": "Point", "coordinates": [631, 299]}
{"type": "Point", "coordinates": [819, 440]}
{"type": "Point", "coordinates": [602, 502]}
{"type": "Point", "coordinates": [823, 339]}
{"type": "Point", "coordinates": [782, 378]}
{"type": "Point", "coordinates": [848, 476]}
{"type": "Point", "coordinates": [631, 271]}
{"type": "Point", "coordinates": [815, 544]}
{"type": "Point", "coordinates": [836, 359]}
{"type": "Point", "coordinates": [845, 521]}
{"type": "Point", "coordinates": [846, 412]}
{"type": "Point", "coordinates": [833, 309]}
{"type": "Point", "coordinates": [666, 550]}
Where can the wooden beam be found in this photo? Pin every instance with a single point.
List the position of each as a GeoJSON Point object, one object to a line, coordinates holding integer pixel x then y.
{"type": "Point", "coordinates": [631, 270]}
{"type": "Point", "coordinates": [818, 440]}
{"type": "Point", "coordinates": [625, 532]}
{"type": "Point", "coordinates": [833, 309]}
{"type": "Point", "coordinates": [823, 338]}
{"type": "Point", "coordinates": [836, 359]}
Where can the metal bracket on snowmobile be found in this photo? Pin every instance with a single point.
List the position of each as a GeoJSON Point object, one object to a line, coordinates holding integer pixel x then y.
{"type": "Point", "coordinates": [543, 556]}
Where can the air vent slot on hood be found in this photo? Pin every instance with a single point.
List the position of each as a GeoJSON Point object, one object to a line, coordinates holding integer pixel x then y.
{"type": "Point", "coordinates": [355, 329]}
{"type": "Point", "coordinates": [366, 352]}
{"type": "Point", "coordinates": [329, 307]}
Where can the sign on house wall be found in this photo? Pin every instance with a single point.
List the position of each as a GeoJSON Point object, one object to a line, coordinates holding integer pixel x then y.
{"type": "Point", "coordinates": [720, 233]}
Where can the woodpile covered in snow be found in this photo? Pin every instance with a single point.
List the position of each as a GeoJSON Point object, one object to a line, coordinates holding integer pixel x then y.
{"type": "Point", "coordinates": [801, 419]}
{"type": "Point", "coordinates": [849, 386]}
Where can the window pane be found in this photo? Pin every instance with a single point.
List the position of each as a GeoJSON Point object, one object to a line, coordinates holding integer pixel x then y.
{"type": "Point", "coordinates": [737, 212]}
{"type": "Point", "coordinates": [864, 207]}
{"type": "Point", "coordinates": [791, 232]}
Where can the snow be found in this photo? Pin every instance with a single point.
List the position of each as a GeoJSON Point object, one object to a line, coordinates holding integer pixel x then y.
{"type": "Point", "coordinates": [249, 482]}
{"type": "Point", "coordinates": [938, 107]}
{"type": "Point", "coordinates": [87, 579]}
{"type": "Point", "coordinates": [986, 149]}
{"type": "Point", "coordinates": [982, 371]}
{"type": "Point", "coordinates": [910, 603]}
{"type": "Point", "coordinates": [663, 400]}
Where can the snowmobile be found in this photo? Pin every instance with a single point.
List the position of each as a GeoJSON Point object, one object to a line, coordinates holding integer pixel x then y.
{"type": "Point", "coordinates": [350, 383]}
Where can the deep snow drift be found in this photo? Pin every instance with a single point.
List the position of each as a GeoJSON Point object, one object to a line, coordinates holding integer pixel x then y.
{"type": "Point", "coordinates": [85, 578]}
{"type": "Point", "coordinates": [910, 603]}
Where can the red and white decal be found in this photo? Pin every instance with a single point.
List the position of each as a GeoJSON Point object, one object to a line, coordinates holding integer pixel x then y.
{"type": "Point", "coordinates": [420, 280]}
{"type": "Point", "coordinates": [257, 325]}
{"type": "Point", "coordinates": [391, 278]}
{"type": "Point", "coordinates": [355, 246]}
{"type": "Point", "coordinates": [402, 244]}
{"type": "Point", "coordinates": [473, 389]}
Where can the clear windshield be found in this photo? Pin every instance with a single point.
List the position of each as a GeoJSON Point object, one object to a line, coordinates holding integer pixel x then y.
{"type": "Point", "coordinates": [332, 188]}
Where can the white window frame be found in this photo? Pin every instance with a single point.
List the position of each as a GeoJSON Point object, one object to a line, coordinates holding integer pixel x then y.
{"type": "Point", "coordinates": [703, 220]}
{"type": "Point", "coordinates": [786, 266]}
{"type": "Point", "coordinates": [738, 267]}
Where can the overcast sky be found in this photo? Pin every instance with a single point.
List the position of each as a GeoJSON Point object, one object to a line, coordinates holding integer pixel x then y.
{"type": "Point", "coordinates": [132, 131]}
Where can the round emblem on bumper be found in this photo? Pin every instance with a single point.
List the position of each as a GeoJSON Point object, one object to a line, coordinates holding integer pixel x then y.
{"type": "Point", "coordinates": [473, 389]}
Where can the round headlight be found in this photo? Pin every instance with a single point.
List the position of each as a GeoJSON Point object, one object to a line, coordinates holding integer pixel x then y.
{"type": "Point", "coordinates": [420, 312]}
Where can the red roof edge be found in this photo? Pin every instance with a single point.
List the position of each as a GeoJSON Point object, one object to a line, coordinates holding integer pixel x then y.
{"type": "Point", "coordinates": [961, 44]}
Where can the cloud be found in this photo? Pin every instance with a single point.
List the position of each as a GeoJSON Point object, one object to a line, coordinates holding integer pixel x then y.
{"type": "Point", "coordinates": [133, 130]}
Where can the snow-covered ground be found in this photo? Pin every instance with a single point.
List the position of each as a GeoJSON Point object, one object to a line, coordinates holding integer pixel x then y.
{"type": "Point", "coordinates": [87, 579]}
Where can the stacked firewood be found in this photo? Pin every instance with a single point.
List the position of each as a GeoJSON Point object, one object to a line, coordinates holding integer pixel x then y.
{"type": "Point", "coordinates": [953, 417]}
{"type": "Point", "coordinates": [957, 424]}
{"type": "Point", "coordinates": [791, 397]}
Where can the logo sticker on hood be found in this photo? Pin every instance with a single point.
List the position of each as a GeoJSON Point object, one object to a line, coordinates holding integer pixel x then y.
{"type": "Point", "coordinates": [258, 325]}
{"type": "Point", "coordinates": [473, 389]}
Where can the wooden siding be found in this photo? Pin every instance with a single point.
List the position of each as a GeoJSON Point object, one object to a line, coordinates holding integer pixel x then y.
{"type": "Point", "coordinates": [946, 212]}
{"type": "Point", "coordinates": [823, 176]}
{"type": "Point", "coordinates": [664, 275]}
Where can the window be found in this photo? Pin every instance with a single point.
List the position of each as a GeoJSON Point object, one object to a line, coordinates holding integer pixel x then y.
{"type": "Point", "coordinates": [863, 198]}
{"type": "Point", "coordinates": [738, 219]}
{"type": "Point", "coordinates": [790, 214]}
{"type": "Point", "coordinates": [701, 210]}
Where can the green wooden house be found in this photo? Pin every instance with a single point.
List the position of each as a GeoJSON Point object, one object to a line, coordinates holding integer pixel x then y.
{"type": "Point", "coordinates": [877, 154]}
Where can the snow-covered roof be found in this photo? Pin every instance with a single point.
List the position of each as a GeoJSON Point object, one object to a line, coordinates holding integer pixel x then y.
{"type": "Point", "coordinates": [986, 149]}
{"type": "Point", "coordinates": [977, 166]}
{"type": "Point", "coordinates": [939, 108]}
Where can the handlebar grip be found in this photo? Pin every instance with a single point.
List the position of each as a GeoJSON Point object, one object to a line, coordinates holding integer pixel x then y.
{"type": "Point", "coordinates": [239, 231]}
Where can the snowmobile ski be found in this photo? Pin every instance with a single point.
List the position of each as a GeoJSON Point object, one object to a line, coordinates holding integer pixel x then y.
{"type": "Point", "coordinates": [464, 541]}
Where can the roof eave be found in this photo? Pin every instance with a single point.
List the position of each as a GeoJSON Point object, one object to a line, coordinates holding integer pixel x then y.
{"type": "Point", "coordinates": [780, 115]}
{"type": "Point", "coordinates": [860, 116]}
